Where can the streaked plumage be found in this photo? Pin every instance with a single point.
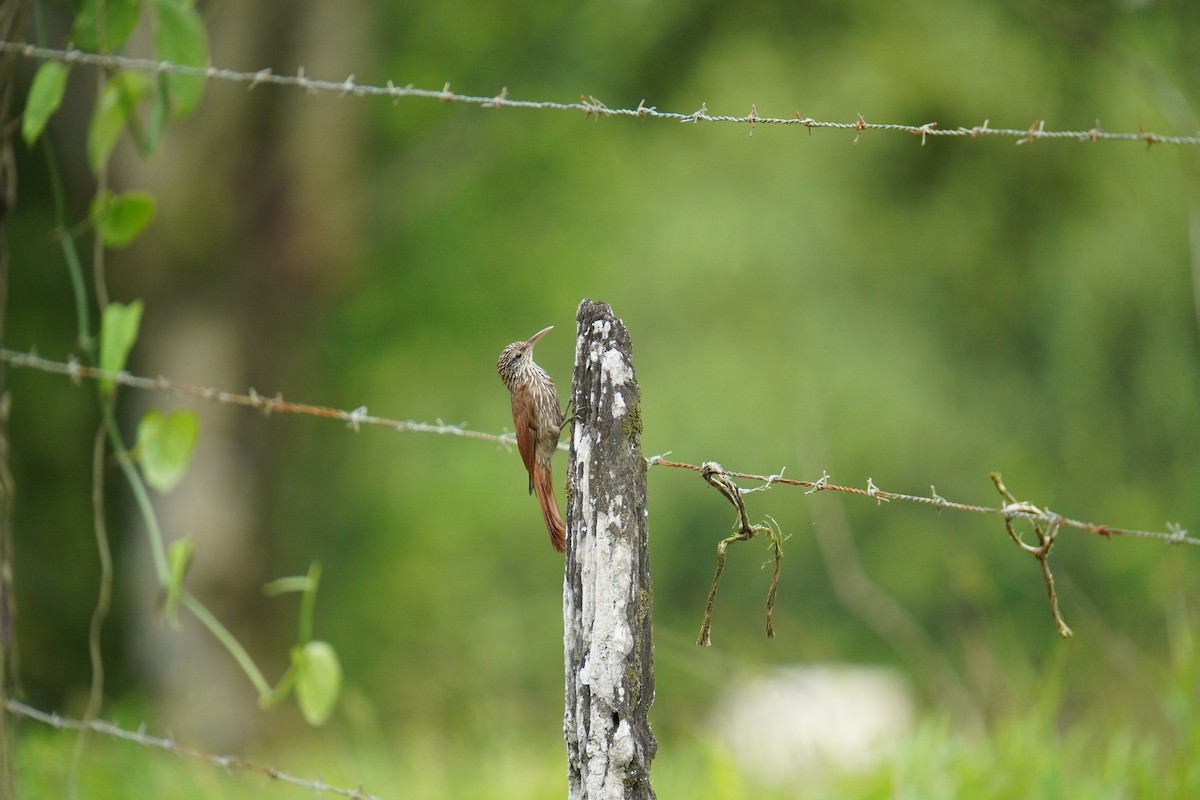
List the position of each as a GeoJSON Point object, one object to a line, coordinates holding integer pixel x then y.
{"type": "Point", "coordinates": [538, 421]}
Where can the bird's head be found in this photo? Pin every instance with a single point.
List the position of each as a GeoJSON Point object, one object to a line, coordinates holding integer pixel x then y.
{"type": "Point", "coordinates": [518, 356]}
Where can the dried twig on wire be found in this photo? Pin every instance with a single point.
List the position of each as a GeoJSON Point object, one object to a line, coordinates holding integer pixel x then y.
{"type": "Point", "coordinates": [140, 737]}
{"type": "Point", "coordinates": [1027, 511]}
{"type": "Point", "coordinates": [719, 479]}
{"type": "Point", "coordinates": [1045, 523]}
{"type": "Point", "coordinates": [1045, 534]}
{"type": "Point", "coordinates": [587, 104]}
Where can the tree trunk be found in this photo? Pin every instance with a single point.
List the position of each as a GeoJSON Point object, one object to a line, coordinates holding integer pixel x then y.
{"type": "Point", "coordinates": [607, 598]}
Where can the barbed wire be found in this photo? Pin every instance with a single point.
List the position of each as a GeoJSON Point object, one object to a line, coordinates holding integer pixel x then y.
{"type": "Point", "coordinates": [1022, 510]}
{"type": "Point", "coordinates": [1015, 510]}
{"type": "Point", "coordinates": [140, 737]}
{"type": "Point", "coordinates": [354, 419]}
{"type": "Point", "coordinates": [1044, 523]}
{"type": "Point", "coordinates": [587, 104]}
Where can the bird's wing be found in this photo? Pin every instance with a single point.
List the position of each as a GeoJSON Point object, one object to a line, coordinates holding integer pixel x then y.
{"type": "Point", "coordinates": [522, 408]}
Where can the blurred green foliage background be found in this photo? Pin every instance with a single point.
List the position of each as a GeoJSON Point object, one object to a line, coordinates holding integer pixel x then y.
{"type": "Point", "coordinates": [916, 315]}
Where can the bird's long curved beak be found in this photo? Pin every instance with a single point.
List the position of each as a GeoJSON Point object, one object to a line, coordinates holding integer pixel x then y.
{"type": "Point", "coordinates": [533, 339]}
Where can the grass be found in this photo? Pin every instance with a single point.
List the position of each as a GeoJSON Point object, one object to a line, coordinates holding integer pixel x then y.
{"type": "Point", "coordinates": [1028, 755]}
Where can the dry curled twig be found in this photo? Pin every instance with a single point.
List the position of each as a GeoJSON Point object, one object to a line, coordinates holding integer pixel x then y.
{"type": "Point", "coordinates": [1041, 551]}
{"type": "Point", "coordinates": [719, 480]}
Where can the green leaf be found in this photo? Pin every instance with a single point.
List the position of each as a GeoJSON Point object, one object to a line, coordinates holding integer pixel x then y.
{"type": "Point", "coordinates": [119, 218]}
{"type": "Point", "coordinates": [179, 37]}
{"type": "Point", "coordinates": [318, 680]}
{"type": "Point", "coordinates": [180, 555]}
{"type": "Point", "coordinates": [45, 96]}
{"type": "Point", "coordinates": [118, 332]}
{"type": "Point", "coordinates": [165, 444]}
{"type": "Point", "coordinates": [116, 18]}
{"type": "Point", "coordinates": [112, 114]}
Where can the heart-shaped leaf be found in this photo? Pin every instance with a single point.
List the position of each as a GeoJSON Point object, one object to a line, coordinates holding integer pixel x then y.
{"type": "Point", "coordinates": [45, 96]}
{"type": "Point", "coordinates": [179, 37]}
{"type": "Point", "coordinates": [118, 332]}
{"type": "Point", "coordinates": [318, 680]}
{"type": "Point", "coordinates": [165, 444]}
{"type": "Point", "coordinates": [119, 218]}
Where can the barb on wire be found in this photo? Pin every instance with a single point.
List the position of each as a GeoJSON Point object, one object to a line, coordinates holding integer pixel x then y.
{"type": "Point", "coordinates": [719, 479]}
{"type": "Point", "coordinates": [140, 737]}
{"type": "Point", "coordinates": [588, 104]}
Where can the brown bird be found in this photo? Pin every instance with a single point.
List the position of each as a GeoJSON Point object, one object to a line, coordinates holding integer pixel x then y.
{"type": "Point", "coordinates": [538, 421]}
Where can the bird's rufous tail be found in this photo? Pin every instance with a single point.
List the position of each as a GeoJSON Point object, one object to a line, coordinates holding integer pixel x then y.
{"type": "Point", "coordinates": [543, 484]}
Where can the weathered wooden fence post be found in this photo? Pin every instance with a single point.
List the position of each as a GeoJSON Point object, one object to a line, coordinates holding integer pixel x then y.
{"type": "Point", "coordinates": [607, 598]}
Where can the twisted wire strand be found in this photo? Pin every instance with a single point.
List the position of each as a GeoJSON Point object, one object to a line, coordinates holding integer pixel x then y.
{"type": "Point", "coordinates": [587, 104]}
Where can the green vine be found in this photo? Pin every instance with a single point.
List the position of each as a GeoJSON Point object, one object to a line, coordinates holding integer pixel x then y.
{"type": "Point", "coordinates": [131, 104]}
